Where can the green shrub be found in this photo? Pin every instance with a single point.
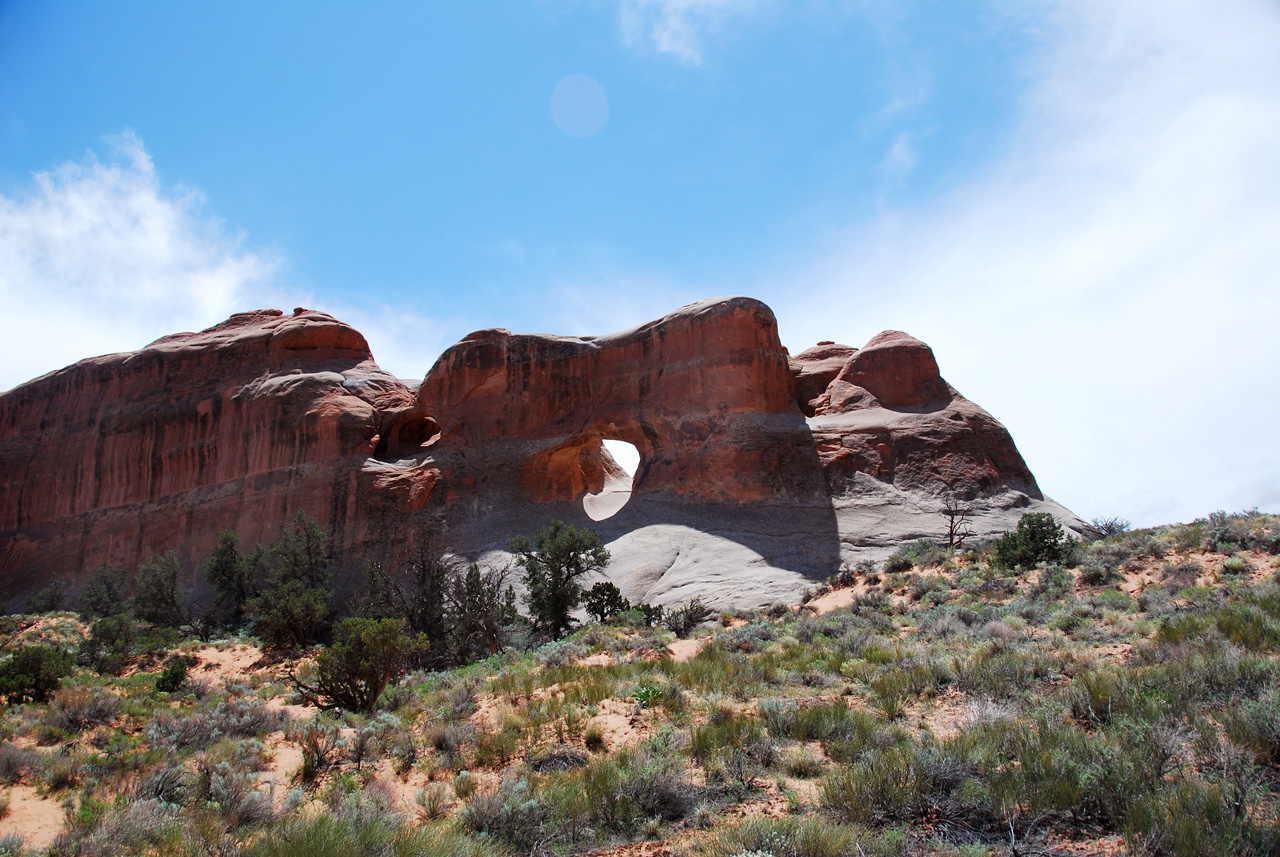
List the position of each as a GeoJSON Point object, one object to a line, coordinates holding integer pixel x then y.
{"type": "Point", "coordinates": [730, 732]}
{"type": "Point", "coordinates": [554, 562]}
{"type": "Point", "coordinates": [174, 675]}
{"type": "Point", "coordinates": [1236, 566]}
{"type": "Point", "coordinates": [292, 608]}
{"type": "Point", "coordinates": [513, 814]}
{"type": "Point", "coordinates": [1191, 818]}
{"type": "Point", "coordinates": [682, 620]}
{"type": "Point", "coordinates": [604, 601]}
{"type": "Point", "coordinates": [366, 655]}
{"type": "Point", "coordinates": [1102, 696]}
{"type": "Point", "coordinates": [319, 742]}
{"type": "Point", "coordinates": [106, 593]}
{"type": "Point", "coordinates": [802, 764]}
{"type": "Point", "coordinates": [497, 748]}
{"type": "Point", "coordinates": [464, 785]}
{"type": "Point", "coordinates": [112, 641]}
{"type": "Point", "coordinates": [1000, 674]}
{"type": "Point", "coordinates": [1255, 725]}
{"type": "Point", "coordinates": [49, 599]}
{"type": "Point", "coordinates": [593, 738]}
{"type": "Point", "coordinates": [786, 837]}
{"type": "Point", "coordinates": [33, 672]}
{"type": "Point", "coordinates": [921, 552]}
{"type": "Point", "coordinates": [884, 789]}
{"type": "Point", "coordinates": [17, 762]}
{"type": "Point", "coordinates": [622, 792]}
{"type": "Point", "coordinates": [1038, 538]}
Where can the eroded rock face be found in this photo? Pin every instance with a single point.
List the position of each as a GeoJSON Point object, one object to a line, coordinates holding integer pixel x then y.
{"type": "Point", "coordinates": [122, 457]}
{"type": "Point", "coordinates": [704, 394]}
{"type": "Point", "coordinates": [813, 370]}
{"type": "Point", "coordinates": [888, 413]}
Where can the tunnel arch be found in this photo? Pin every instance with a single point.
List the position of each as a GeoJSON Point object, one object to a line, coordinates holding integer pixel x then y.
{"type": "Point", "coordinates": [619, 481]}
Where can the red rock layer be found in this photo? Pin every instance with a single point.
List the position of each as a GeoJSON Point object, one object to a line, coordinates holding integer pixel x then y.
{"type": "Point", "coordinates": [122, 457]}
{"type": "Point", "coordinates": [889, 414]}
{"type": "Point", "coordinates": [237, 427]}
{"type": "Point", "coordinates": [688, 390]}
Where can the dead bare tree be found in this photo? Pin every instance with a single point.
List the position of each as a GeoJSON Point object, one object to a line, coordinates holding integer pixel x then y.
{"type": "Point", "coordinates": [958, 529]}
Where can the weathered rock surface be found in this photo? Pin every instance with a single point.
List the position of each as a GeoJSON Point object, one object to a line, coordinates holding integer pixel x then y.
{"type": "Point", "coordinates": [238, 427]}
{"type": "Point", "coordinates": [758, 472]}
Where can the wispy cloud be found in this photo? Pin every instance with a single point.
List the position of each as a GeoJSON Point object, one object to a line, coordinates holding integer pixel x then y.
{"type": "Point", "coordinates": [681, 28]}
{"type": "Point", "coordinates": [1111, 289]}
{"type": "Point", "coordinates": [99, 256]}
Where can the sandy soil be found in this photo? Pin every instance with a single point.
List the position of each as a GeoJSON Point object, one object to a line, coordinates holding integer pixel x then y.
{"type": "Point", "coordinates": [837, 598]}
{"type": "Point", "coordinates": [223, 665]}
{"type": "Point", "coordinates": [38, 819]}
{"type": "Point", "coordinates": [686, 650]}
{"type": "Point", "coordinates": [620, 725]}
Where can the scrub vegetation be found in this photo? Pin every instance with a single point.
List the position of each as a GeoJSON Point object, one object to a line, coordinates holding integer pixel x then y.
{"type": "Point", "coordinates": [1041, 694]}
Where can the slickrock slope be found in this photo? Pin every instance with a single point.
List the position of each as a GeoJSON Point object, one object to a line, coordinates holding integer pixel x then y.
{"type": "Point", "coordinates": [758, 473]}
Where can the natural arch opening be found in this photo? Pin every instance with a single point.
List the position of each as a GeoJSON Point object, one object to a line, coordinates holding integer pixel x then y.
{"type": "Point", "coordinates": [407, 434]}
{"type": "Point", "coordinates": [621, 462]}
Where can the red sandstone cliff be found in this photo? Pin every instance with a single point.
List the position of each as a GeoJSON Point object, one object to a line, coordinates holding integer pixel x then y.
{"type": "Point", "coordinates": [238, 427]}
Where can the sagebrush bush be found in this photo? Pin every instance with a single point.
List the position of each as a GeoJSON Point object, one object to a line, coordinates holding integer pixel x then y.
{"type": "Point", "coordinates": [17, 762]}
{"type": "Point", "coordinates": [80, 708]}
{"type": "Point", "coordinates": [785, 837]}
{"type": "Point", "coordinates": [1255, 725]}
{"type": "Point", "coordinates": [620, 793]}
{"type": "Point", "coordinates": [513, 814]}
{"type": "Point", "coordinates": [921, 552]}
{"type": "Point", "coordinates": [237, 717]}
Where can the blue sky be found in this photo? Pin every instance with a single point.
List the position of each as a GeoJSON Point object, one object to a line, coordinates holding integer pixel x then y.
{"type": "Point", "coordinates": [1075, 203]}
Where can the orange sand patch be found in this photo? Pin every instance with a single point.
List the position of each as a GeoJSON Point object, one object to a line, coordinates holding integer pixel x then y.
{"type": "Point", "coordinates": [295, 712]}
{"type": "Point", "coordinates": [837, 598]}
{"type": "Point", "coordinates": [948, 716]}
{"type": "Point", "coordinates": [621, 727]}
{"type": "Point", "coordinates": [223, 665]}
{"type": "Point", "coordinates": [686, 650]}
{"type": "Point", "coordinates": [38, 819]}
{"type": "Point", "coordinates": [661, 848]}
{"type": "Point", "coordinates": [599, 659]}
{"type": "Point", "coordinates": [488, 714]}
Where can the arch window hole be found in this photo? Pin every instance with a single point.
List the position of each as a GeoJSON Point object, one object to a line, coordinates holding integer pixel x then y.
{"type": "Point", "coordinates": [618, 485]}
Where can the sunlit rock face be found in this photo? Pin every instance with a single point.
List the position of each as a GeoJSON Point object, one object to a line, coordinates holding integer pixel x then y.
{"type": "Point", "coordinates": [758, 472]}
{"type": "Point", "coordinates": [125, 456]}
{"type": "Point", "coordinates": [704, 394]}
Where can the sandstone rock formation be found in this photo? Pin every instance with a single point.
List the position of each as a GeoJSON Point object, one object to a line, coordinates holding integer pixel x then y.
{"type": "Point", "coordinates": [758, 472]}
{"type": "Point", "coordinates": [122, 457]}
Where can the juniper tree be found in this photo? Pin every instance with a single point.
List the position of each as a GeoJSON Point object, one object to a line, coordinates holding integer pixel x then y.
{"type": "Point", "coordinates": [558, 557]}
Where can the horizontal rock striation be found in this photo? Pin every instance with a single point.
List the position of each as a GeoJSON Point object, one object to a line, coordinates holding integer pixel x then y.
{"type": "Point", "coordinates": [758, 471]}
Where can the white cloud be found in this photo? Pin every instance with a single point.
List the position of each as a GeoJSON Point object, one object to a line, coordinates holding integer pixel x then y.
{"type": "Point", "coordinates": [99, 257]}
{"type": "Point", "coordinates": [678, 27]}
{"type": "Point", "coordinates": [900, 159]}
{"type": "Point", "coordinates": [102, 256]}
{"type": "Point", "coordinates": [1110, 290]}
